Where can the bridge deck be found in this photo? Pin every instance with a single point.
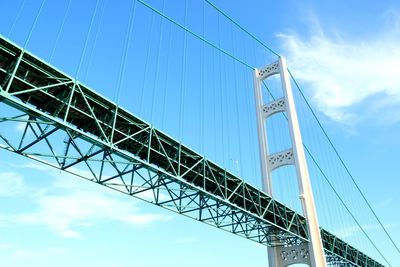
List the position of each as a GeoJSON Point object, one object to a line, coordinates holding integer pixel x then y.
{"type": "Point", "coordinates": [177, 177]}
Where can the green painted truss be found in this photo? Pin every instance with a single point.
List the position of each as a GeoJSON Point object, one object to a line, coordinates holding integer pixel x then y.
{"type": "Point", "coordinates": [72, 128]}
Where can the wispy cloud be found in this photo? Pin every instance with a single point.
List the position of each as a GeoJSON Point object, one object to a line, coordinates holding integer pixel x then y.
{"type": "Point", "coordinates": [384, 203]}
{"type": "Point", "coordinates": [33, 166]}
{"type": "Point", "coordinates": [63, 181]}
{"type": "Point", "coordinates": [67, 213]}
{"type": "Point", "coordinates": [340, 72]}
{"type": "Point", "coordinates": [68, 204]}
{"type": "Point", "coordinates": [355, 230]}
{"type": "Point", "coordinates": [5, 246]}
{"type": "Point", "coordinates": [20, 127]}
{"type": "Point", "coordinates": [42, 253]}
{"type": "Point", "coordinates": [11, 184]}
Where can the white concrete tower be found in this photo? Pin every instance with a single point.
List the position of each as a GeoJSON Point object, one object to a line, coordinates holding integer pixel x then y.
{"type": "Point", "coordinates": [312, 253]}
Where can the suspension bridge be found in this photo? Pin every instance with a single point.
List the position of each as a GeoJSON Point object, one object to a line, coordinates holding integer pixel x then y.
{"type": "Point", "coordinates": [69, 126]}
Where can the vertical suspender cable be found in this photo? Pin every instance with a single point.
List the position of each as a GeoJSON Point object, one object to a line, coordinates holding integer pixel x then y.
{"type": "Point", "coordinates": [237, 108]}
{"type": "Point", "coordinates": [225, 105]}
{"type": "Point", "coordinates": [60, 30]}
{"type": "Point", "coordinates": [34, 24]}
{"type": "Point", "coordinates": [183, 78]}
{"type": "Point", "coordinates": [195, 34]}
{"type": "Point", "coordinates": [215, 97]}
{"type": "Point", "coordinates": [250, 126]}
{"type": "Point", "coordinates": [146, 64]}
{"type": "Point", "coordinates": [160, 39]}
{"type": "Point", "coordinates": [166, 76]}
{"type": "Point", "coordinates": [221, 96]}
{"type": "Point", "coordinates": [128, 35]}
{"type": "Point", "coordinates": [86, 40]}
{"type": "Point", "coordinates": [123, 64]}
{"type": "Point", "coordinates": [16, 18]}
{"type": "Point", "coordinates": [202, 78]}
{"type": "Point", "coordinates": [240, 27]}
{"type": "Point", "coordinates": [96, 37]}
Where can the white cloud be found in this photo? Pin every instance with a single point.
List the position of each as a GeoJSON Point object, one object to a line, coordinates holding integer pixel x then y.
{"type": "Point", "coordinates": [69, 204]}
{"type": "Point", "coordinates": [34, 165]}
{"type": "Point", "coordinates": [42, 253]}
{"type": "Point", "coordinates": [39, 166]}
{"type": "Point", "coordinates": [67, 213]}
{"type": "Point", "coordinates": [20, 127]}
{"type": "Point", "coordinates": [63, 181]}
{"type": "Point", "coordinates": [340, 73]}
{"type": "Point", "coordinates": [11, 184]}
{"type": "Point", "coordinates": [384, 203]}
{"type": "Point", "coordinates": [4, 246]}
{"type": "Point", "coordinates": [356, 230]}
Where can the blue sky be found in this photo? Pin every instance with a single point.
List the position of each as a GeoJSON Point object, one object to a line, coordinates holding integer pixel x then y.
{"type": "Point", "coordinates": [344, 55]}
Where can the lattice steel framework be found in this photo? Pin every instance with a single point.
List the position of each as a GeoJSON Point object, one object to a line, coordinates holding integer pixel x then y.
{"type": "Point", "coordinates": [72, 128]}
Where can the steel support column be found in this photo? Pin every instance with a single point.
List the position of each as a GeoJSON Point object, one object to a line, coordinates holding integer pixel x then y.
{"type": "Point", "coordinates": [315, 256]}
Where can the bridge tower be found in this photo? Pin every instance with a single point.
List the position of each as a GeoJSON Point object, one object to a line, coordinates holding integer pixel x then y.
{"type": "Point", "coordinates": [311, 253]}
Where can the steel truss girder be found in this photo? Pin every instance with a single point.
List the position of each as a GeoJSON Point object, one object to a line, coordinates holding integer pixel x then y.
{"type": "Point", "coordinates": [122, 152]}
{"type": "Point", "coordinates": [144, 181]}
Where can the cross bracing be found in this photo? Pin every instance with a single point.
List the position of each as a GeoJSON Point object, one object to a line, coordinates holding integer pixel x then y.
{"type": "Point", "coordinates": [122, 152]}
